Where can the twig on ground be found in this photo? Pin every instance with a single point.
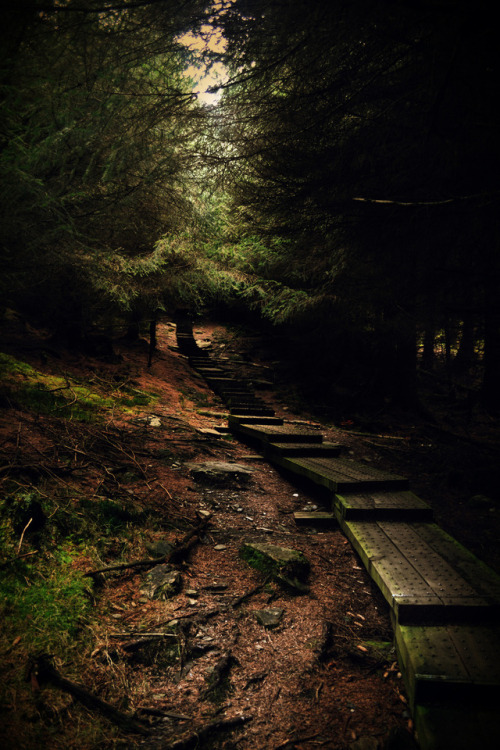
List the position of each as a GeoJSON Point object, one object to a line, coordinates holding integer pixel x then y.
{"type": "Point", "coordinates": [249, 593]}
{"type": "Point", "coordinates": [193, 739]}
{"type": "Point", "coordinates": [177, 554]}
{"type": "Point", "coordinates": [22, 536]}
{"type": "Point", "coordinates": [41, 670]}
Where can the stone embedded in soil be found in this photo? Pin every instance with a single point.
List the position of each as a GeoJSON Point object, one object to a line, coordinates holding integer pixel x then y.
{"type": "Point", "coordinates": [365, 743]}
{"type": "Point", "coordinates": [288, 566]}
{"type": "Point", "coordinates": [157, 549]}
{"type": "Point", "coordinates": [219, 472]}
{"type": "Point", "coordinates": [162, 582]}
{"type": "Point", "coordinates": [270, 617]}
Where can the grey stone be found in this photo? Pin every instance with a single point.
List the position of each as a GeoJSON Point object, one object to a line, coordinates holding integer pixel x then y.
{"type": "Point", "coordinates": [288, 566]}
{"type": "Point", "coordinates": [365, 743]}
{"type": "Point", "coordinates": [157, 549]}
{"type": "Point", "coordinates": [219, 472]}
{"type": "Point", "coordinates": [481, 501]}
{"type": "Point", "coordinates": [162, 582]}
{"type": "Point", "coordinates": [270, 617]}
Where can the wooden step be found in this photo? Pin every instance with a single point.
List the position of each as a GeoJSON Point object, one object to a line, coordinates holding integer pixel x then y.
{"type": "Point", "coordinates": [341, 475]}
{"type": "Point", "coordinates": [211, 372]}
{"type": "Point", "coordinates": [220, 383]}
{"type": "Point", "coordinates": [315, 518]}
{"type": "Point", "coordinates": [424, 573]}
{"type": "Point", "coordinates": [396, 506]}
{"type": "Point", "coordinates": [274, 433]}
{"type": "Point", "coordinates": [251, 411]}
{"type": "Point", "coordinates": [304, 449]}
{"type": "Point", "coordinates": [457, 724]}
{"type": "Point", "coordinates": [235, 421]}
{"type": "Point", "coordinates": [245, 400]}
{"type": "Point", "coordinates": [457, 662]}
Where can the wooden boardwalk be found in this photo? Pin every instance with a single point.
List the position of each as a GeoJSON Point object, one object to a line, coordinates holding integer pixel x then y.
{"type": "Point", "coordinates": [444, 602]}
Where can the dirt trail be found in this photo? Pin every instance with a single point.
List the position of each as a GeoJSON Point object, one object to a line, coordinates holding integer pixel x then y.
{"type": "Point", "coordinates": [325, 676]}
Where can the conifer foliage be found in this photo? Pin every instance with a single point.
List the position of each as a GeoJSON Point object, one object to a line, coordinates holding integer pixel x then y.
{"type": "Point", "coordinates": [364, 136]}
{"type": "Point", "coordinates": [98, 125]}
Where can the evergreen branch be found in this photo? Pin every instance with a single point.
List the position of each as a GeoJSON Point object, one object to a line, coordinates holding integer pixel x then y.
{"type": "Point", "coordinates": [445, 201]}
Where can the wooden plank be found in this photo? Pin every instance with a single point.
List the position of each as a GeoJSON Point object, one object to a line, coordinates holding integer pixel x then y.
{"type": "Point", "coordinates": [253, 411]}
{"type": "Point", "coordinates": [451, 570]}
{"type": "Point", "coordinates": [268, 433]}
{"type": "Point", "coordinates": [484, 580]}
{"type": "Point", "coordinates": [304, 449]}
{"type": "Point", "coordinates": [314, 518]}
{"type": "Point", "coordinates": [456, 661]}
{"type": "Point", "coordinates": [457, 725]}
{"type": "Point", "coordinates": [342, 475]}
{"type": "Point", "coordinates": [403, 505]}
{"type": "Point", "coordinates": [417, 582]}
{"type": "Point", "coordinates": [237, 422]}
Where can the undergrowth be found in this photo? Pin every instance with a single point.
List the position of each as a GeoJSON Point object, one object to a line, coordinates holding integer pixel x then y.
{"type": "Point", "coordinates": [67, 506]}
{"type": "Point", "coordinates": [61, 395]}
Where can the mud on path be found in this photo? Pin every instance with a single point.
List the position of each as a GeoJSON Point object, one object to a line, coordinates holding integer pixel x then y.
{"type": "Point", "coordinates": [324, 676]}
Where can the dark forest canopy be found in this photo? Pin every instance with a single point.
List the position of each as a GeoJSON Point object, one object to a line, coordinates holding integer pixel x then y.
{"type": "Point", "coordinates": [363, 136]}
{"type": "Point", "coordinates": [346, 183]}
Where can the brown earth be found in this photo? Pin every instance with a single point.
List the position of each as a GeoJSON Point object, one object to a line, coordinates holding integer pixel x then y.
{"type": "Point", "coordinates": [327, 675]}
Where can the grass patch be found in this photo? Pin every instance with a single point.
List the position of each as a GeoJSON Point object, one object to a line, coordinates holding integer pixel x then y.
{"type": "Point", "coordinates": [45, 603]}
{"type": "Point", "coordinates": [62, 396]}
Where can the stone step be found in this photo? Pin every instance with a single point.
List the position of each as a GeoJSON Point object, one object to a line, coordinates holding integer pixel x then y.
{"type": "Point", "coordinates": [341, 475]}
{"type": "Point", "coordinates": [424, 573]}
{"type": "Point", "coordinates": [401, 506]}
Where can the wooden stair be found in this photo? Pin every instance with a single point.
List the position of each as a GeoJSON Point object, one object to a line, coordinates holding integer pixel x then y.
{"type": "Point", "coordinates": [444, 602]}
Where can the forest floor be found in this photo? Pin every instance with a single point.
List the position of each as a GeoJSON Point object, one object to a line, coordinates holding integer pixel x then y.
{"type": "Point", "coordinates": [198, 669]}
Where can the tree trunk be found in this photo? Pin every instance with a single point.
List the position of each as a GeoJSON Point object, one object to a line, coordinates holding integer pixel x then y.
{"type": "Point", "coordinates": [404, 381]}
{"type": "Point", "coordinates": [465, 355]}
{"type": "Point", "coordinates": [428, 355]}
{"type": "Point", "coordinates": [490, 390]}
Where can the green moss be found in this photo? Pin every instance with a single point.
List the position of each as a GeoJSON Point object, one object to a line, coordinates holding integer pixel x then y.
{"type": "Point", "coordinates": [288, 566]}
{"type": "Point", "coordinates": [45, 602]}
{"type": "Point", "coordinates": [63, 396]}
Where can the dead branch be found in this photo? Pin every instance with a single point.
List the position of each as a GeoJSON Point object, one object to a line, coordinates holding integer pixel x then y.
{"type": "Point", "coordinates": [177, 554]}
{"type": "Point", "coordinates": [249, 593]}
{"type": "Point", "coordinates": [41, 670]}
{"type": "Point", "coordinates": [22, 536]}
{"type": "Point", "coordinates": [219, 673]}
{"type": "Point", "coordinates": [18, 557]}
{"type": "Point", "coordinates": [193, 739]}
{"type": "Point", "coordinates": [161, 713]}
{"type": "Point", "coordinates": [324, 643]}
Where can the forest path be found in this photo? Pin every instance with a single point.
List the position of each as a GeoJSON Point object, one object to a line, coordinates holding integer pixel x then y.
{"type": "Point", "coordinates": [443, 600]}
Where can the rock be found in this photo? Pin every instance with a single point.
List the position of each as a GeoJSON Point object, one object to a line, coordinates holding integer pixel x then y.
{"type": "Point", "coordinates": [288, 566]}
{"type": "Point", "coordinates": [400, 739]}
{"type": "Point", "coordinates": [269, 618]}
{"type": "Point", "coordinates": [157, 549]}
{"type": "Point", "coordinates": [365, 743]}
{"type": "Point", "coordinates": [481, 501]}
{"type": "Point", "coordinates": [162, 582]}
{"type": "Point", "coordinates": [219, 472]}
